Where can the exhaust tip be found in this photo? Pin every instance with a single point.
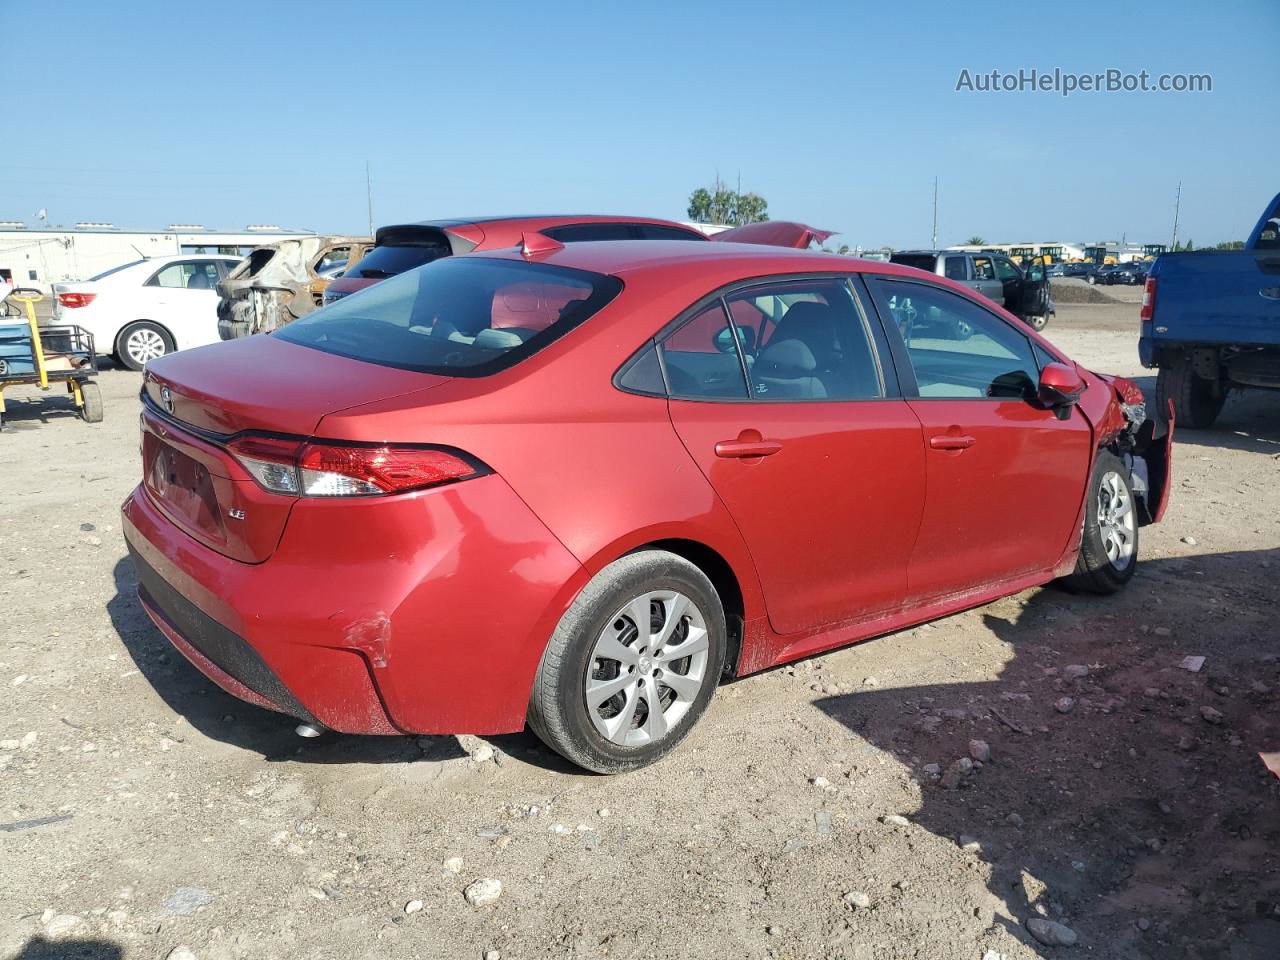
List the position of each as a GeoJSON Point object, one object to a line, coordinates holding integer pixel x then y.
{"type": "Point", "coordinates": [308, 730]}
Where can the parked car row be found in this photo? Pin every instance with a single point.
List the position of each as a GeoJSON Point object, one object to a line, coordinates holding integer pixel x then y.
{"type": "Point", "coordinates": [573, 483]}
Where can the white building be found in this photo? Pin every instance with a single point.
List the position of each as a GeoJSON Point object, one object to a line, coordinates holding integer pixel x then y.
{"type": "Point", "coordinates": [38, 255]}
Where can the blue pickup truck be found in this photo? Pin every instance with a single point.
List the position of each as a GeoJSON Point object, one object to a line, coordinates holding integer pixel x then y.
{"type": "Point", "coordinates": [1211, 323]}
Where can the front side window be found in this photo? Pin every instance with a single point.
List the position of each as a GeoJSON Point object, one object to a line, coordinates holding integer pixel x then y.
{"type": "Point", "coordinates": [332, 260]}
{"type": "Point", "coordinates": [456, 317]}
{"type": "Point", "coordinates": [1006, 270]}
{"type": "Point", "coordinates": [957, 349]}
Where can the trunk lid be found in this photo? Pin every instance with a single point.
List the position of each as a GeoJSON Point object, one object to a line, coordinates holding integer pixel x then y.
{"type": "Point", "coordinates": [196, 400]}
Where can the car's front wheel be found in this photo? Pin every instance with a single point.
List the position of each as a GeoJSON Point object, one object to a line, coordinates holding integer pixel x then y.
{"type": "Point", "coordinates": [632, 665]}
{"type": "Point", "coordinates": [142, 341]}
{"type": "Point", "coordinates": [1109, 541]}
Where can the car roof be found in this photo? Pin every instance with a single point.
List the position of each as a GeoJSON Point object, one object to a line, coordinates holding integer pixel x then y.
{"type": "Point", "coordinates": [632, 257]}
{"type": "Point", "coordinates": [537, 221]}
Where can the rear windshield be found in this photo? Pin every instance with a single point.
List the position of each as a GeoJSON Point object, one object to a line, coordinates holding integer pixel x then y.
{"type": "Point", "coordinates": [382, 262]}
{"type": "Point", "coordinates": [921, 261]}
{"type": "Point", "coordinates": [458, 316]}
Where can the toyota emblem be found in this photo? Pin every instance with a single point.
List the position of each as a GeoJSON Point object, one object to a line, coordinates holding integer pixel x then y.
{"type": "Point", "coordinates": [166, 398]}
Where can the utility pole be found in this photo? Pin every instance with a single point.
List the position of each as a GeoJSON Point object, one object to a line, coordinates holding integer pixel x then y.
{"type": "Point", "coordinates": [935, 214]}
{"type": "Point", "coordinates": [1177, 206]}
{"type": "Point", "coordinates": [368, 189]}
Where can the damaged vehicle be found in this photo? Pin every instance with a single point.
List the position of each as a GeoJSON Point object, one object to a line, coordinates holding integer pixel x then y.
{"type": "Point", "coordinates": [277, 284]}
{"type": "Point", "coordinates": [575, 485]}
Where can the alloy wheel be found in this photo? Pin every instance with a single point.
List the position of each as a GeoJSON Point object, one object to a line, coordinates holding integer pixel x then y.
{"type": "Point", "coordinates": [1116, 520]}
{"type": "Point", "coordinates": [647, 667]}
{"type": "Point", "coordinates": [143, 345]}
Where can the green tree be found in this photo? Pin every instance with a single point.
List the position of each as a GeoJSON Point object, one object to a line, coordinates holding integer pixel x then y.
{"type": "Point", "coordinates": [844, 250]}
{"type": "Point", "coordinates": [722, 205]}
{"type": "Point", "coordinates": [975, 241]}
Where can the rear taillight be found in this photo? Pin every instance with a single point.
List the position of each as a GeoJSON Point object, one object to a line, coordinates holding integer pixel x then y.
{"type": "Point", "coordinates": [304, 468]}
{"type": "Point", "coordinates": [73, 300]}
{"type": "Point", "coordinates": [1148, 300]}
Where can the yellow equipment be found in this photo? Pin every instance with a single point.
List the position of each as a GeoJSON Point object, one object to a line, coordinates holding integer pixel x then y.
{"type": "Point", "coordinates": [43, 357]}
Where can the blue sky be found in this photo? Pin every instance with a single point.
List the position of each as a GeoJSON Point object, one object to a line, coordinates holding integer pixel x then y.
{"type": "Point", "coordinates": [840, 114]}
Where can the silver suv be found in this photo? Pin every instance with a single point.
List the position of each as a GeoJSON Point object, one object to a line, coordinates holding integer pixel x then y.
{"type": "Point", "coordinates": [1025, 294]}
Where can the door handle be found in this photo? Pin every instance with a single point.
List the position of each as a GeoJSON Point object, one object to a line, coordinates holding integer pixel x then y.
{"type": "Point", "coordinates": [745, 447]}
{"type": "Point", "coordinates": [949, 441]}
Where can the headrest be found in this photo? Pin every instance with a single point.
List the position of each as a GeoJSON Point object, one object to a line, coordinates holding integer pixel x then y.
{"type": "Point", "coordinates": [787, 360]}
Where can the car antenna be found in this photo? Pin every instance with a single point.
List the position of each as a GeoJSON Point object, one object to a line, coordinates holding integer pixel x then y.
{"type": "Point", "coordinates": [139, 252]}
{"type": "Point", "coordinates": [536, 244]}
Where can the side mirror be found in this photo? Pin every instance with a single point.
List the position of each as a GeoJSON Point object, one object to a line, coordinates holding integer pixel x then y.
{"type": "Point", "coordinates": [1060, 388]}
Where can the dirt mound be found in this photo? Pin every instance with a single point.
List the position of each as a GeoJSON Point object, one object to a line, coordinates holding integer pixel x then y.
{"type": "Point", "coordinates": [1078, 291]}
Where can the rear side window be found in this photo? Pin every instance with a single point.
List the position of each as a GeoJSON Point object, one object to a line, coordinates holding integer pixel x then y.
{"type": "Point", "coordinates": [586, 232]}
{"type": "Point", "coordinates": [806, 340]}
{"type": "Point", "coordinates": [1269, 236]}
{"type": "Point", "coordinates": [382, 262]}
{"type": "Point", "coordinates": [186, 275]}
{"type": "Point", "coordinates": [656, 231]}
{"type": "Point", "coordinates": [465, 317]}
{"type": "Point", "coordinates": [955, 268]}
{"type": "Point", "coordinates": [701, 360]}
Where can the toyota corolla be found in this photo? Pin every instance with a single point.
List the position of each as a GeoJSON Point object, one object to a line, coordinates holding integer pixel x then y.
{"type": "Point", "coordinates": [575, 486]}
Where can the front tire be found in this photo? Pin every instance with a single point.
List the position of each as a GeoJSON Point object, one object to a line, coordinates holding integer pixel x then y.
{"type": "Point", "coordinates": [632, 665]}
{"type": "Point", "coordinates": [141, 342]}
{"type": "Point", "coordinates": [1109, 543]}
{"type": "Point", "coordinates": [91, 402]}
{"type": "Point", "coordinates": [1195, 402]}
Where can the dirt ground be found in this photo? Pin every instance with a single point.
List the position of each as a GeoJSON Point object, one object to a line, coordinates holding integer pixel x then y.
{"type": "Point", "coordinates": [145, 814]}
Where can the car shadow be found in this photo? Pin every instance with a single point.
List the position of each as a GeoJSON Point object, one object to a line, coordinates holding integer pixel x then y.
{"type": "Point", "coordinates": [38, 948]}
{"type": "Point", "coordinates": [1143, 822]}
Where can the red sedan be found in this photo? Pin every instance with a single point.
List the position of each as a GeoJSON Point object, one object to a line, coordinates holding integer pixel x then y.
{"type": "Point", "coordinates": [574, 486]}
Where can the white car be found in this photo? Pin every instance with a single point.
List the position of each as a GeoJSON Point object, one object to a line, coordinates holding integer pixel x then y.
{"type": "Point", "coordinates": [145, 309]}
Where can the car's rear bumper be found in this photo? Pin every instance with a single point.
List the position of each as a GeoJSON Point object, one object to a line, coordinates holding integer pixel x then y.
{"type": "Point", "coordinates": [425, 613]}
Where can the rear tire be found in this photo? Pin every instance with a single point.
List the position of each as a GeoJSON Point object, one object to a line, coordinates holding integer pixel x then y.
{"type": "Point", "coordinates": [1109, 542]}
{"type": "Point", "coordinates": [1195, 403]}
{"type": "Point", "coordinates": [142, 341]}
{"type": "Point", "coordinates": [91, 408]}
{"type": "Point", "coordinates": [642, 623]}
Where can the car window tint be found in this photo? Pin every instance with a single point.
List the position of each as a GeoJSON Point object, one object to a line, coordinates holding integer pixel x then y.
{"type": "Point", "coordinates": [457, 316]}
{"type": "Point", "coordinates": [657, 231]}
{"type": "Point", "coordinates": [812, 342]}
{"type": "Point", "coordinates": [701, 358]}
{"type": "Point", "coordinates": [390, 259]}
{"type": "Point", "coordinates": [1005, 270]}
{"type": "Point", "coordinates": [921, 261]}
{"type": "Point", "coordinates": [956, 348]}
{"type": "Point", "coordinates": [982, 269]}
{"type": "Point", "coordinates": [584, 232]}
{"type": "Point", "coordinates": [955, 268]}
